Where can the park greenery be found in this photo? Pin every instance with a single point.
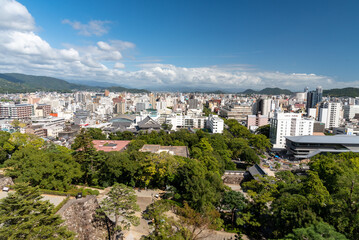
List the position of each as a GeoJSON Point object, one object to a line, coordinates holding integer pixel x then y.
{"type": "Point", "coordinates": [23, 215]}
{"type": "Point", "coordinates": [322, 203]}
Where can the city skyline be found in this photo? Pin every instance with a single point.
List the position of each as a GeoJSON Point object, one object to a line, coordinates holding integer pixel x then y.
{"type": "Point", "coordinates": [170, 45]}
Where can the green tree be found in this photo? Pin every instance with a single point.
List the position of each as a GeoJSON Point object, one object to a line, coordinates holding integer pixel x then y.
{"type": "Point", "coordinates": [197, 224]}
{"type": "Point", "coordinates": [23, 215]}
{"type": "Point", "coordinates": [198, 186]}
{"type": "Point", "coordinates": [4, 137]}
{"type": "Point", "coordinates": [96, 133]}
{"type": "Point", "coordinates": [121, 204]}
{"type": "Point", "coordinates": [249, 156]}
{"type": "Point", "coordinates": [47, 168]}
{"type": "Point", "coordinates": [291, 211]}
{"type": "Point", "coordinates": [260, 142]}
{"type": "Point", "coordinates": [263, 130]}
{"type": "Point", "coordinates": [233, 201]}
{"type": "Point", "coordinates": [237, 145]}
{"type": "Point", "coordinates": [317, 231]}
{"type": "Point", "coordinates": [164, 227]}
{"type": "Point", "coordinates": [3, 155]}
{"type": "Point", "coordinates": [86, 155]}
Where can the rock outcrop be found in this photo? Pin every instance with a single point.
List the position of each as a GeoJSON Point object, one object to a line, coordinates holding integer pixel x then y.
{"type": "Point", "coordinates": [80, 217]}
{"type": "Point", "coordinates": [5, 181]}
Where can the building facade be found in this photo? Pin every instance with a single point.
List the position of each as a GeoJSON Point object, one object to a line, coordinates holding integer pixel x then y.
{"type": "Point", "coordinates": [288, 124]}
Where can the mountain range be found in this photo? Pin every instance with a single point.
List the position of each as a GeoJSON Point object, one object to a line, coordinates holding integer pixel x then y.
{"type": "Point", "coordinates": [20, 83]}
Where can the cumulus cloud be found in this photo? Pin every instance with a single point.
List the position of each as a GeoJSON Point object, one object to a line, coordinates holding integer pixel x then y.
{"type": "Point", "coordinates": [23, 51]}
{"type": "Point", "coordinates": [15, 16]}
{"type": "Point", "coordinates": [94, 27]}
{"type": "Point", "coordinates": [167, 75]}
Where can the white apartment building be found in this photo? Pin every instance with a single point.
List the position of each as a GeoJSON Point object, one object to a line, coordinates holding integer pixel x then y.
{"type": "Point", "coordinates": [186, 121]}
{"type": "Point", "coordinates": [215, 123]}
{"type": "Point", "coordinates": [350, 111]}
{"type": "Point", "coordinates": [288, 124]}
{"type": "Point", "coordinates": [329, 114]}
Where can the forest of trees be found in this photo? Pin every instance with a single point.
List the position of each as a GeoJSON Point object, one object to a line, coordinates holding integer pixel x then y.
{"type": "Point", "coordinates": [323, 202]}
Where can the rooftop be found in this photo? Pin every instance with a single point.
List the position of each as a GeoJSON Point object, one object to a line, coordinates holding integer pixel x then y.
{"type": "Point", "coordinates": [336, 139]}
{"type": "Point", "coordinates": [174, 150]}
{"type": "Point", "coordinates": [110, 145]}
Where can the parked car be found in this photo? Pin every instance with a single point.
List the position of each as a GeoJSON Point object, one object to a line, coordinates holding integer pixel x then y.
{"type": "Point", "coordinates": [78, 195]}
{"type": "Point", "coordinates": [5, 189]}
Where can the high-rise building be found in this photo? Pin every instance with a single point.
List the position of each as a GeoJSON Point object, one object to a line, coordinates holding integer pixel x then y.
{"type": "Point", "coordinates": [152, 101]}
{"type": "Point", "coordinates": [329, 114]}
{"type": "Point", "coordinates": [314, 97]}
{"type": "Point", "coordinates": [288, 124]}
{"type": "Point", "coordinates": [264, 106]}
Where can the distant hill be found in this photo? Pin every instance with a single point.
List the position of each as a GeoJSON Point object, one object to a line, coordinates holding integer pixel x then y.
{"type": "Point", "coordinates": [269, 91]}
{"type": "Point", "coordinates": [20, 83]}
{"type": "Point", "coordinates": [342, 92]}
{"type": "Point", "coordinates": [122, 89]}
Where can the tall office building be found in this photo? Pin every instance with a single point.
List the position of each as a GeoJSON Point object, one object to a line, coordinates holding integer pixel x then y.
{"type": "Point", "coordinates": [314, 97]}
{"type": "Point", "coordinates": [264, 106]}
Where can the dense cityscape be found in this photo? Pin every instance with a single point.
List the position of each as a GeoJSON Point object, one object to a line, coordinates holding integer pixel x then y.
{"type": "Point", "coordinates": [179, 120]}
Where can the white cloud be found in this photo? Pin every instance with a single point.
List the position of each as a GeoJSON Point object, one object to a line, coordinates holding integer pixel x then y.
{"type": "Point", "coordinates": [94, 27]}
{"type": "Point", "coordinates": [22, 50]}
{"type": "Point", "coordinates": [119, 65]}
{"type": "Point", "coordinates": [13, 15]}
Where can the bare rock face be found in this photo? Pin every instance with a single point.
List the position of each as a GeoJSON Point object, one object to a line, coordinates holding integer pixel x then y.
{"type": "Point", "coordinates": [80, 217]}
{"type": "Point", "coordinates": [5, 181]}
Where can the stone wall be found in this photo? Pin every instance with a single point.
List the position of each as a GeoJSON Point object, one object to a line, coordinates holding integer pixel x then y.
{"type": "Point", "coordinates": [80, 217]}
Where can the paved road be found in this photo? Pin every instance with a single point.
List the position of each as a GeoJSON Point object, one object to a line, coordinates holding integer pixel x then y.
{"type": "Point", "coordinates": [56, 200]}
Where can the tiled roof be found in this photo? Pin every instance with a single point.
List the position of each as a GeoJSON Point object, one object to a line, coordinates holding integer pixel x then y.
{"type": "Point", "coordinates": [110, 145]}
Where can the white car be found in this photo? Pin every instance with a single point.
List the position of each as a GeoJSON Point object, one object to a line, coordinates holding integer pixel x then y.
{"type": "Point", "coordinates": [5, 189]}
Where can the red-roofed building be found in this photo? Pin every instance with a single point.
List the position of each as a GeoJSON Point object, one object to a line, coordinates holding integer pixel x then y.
{"type": "Point", "coordinates": [110, 145]}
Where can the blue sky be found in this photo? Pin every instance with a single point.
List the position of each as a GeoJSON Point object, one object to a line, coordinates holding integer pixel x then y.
{"type": "Point", "coordinates": [209, 44]}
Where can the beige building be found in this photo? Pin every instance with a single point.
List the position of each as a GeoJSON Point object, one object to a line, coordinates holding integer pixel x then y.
{"type": "Point", "coordinates": [235, 111]}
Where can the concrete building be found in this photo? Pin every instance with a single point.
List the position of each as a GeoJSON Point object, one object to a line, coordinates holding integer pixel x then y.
{"type": "Point", "coordinates": [37, 130]}
{"type": "Point", "coordinates": [45, 108]}
{"type": "Point", "coordinates": [16, 111]}
{"type": "Point", "coordinates": [350, 111]}
{"type": "Point", "coordinates": [255, 121]}
{"type": "Point", "coordinates": [264, 106]}
{"type": "Point", "coordinates": [237, 112]}
{"type": "Point", "coordinates": [215, 124]}
{"type": "Point", "coordinates": [314, 97]}
{"type": "Point", "coordinates": [288, 124]}
{"type": "Point", "coordinates": [329, 114]}
{"type": "Point", "coordinates": [302, 147]}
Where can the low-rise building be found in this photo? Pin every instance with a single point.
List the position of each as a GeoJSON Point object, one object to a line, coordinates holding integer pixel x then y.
{"type": "Point", "coordinates": [255, 121]}
{"type": "Point", "coordinates": [302, 147]}
{"type": "Point", "coordinates": [110, 145]}
{"type": "Point", "coordinates": [215, 124]}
